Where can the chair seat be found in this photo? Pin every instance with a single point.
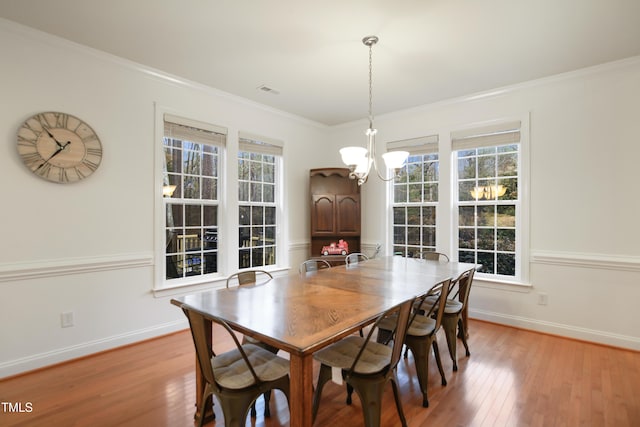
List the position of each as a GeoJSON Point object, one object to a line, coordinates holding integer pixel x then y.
{"type": "Point", "coordinates": [420, 326]}
{"type": "Point", "coordinates": [231, 370]}
{"type": "Point", "coordinates": [452, 306]}
{"type": "Point", "coordinates": [374, 359]}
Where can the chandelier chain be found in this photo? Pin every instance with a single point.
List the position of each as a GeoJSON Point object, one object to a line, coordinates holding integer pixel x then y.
{"type": "Point", "coordinates": [370, 86]}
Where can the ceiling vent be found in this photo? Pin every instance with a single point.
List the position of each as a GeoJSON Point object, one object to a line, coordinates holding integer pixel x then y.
{"type": "Point", "coordinates": [267, 89]}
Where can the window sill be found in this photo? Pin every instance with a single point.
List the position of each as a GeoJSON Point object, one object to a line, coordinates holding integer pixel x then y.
{"type": "Point", "coordinates": [505, 285]}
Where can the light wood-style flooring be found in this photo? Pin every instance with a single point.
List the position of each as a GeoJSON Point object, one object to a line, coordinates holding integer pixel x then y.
{"type": "Point", "coordinates": [513, 378]}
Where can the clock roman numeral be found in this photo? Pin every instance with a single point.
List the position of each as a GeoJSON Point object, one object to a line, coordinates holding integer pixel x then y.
{"type": "Point", "coordinates": [79, 172]}
{"type": "Point", "coordinates": [91, 165]}
{"type": "Point", "coordinates": [61, 120]}
{"type": "Point", "coordinates": [94, 151]}
{"type": "Point", "coordinates": [26, 142]}
{"type": "Point", "coordinates": [32, 160]}
{"type": "Point", "coordinates": [44, 169]}
{"type": "Point", "coordinates": [89, 138]}
{"type": "Point", "coordinates": [64, 177]}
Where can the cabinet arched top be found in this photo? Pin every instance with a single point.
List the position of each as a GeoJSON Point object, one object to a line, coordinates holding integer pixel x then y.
{"type": "Point", "coordinates": [326, 172]}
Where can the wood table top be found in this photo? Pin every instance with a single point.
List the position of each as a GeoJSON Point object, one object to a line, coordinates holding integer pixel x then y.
{"type": "Point", "coordinates": [303, 313]}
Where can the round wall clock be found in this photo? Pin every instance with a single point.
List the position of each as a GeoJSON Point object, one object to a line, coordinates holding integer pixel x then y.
{"type": "Point", "coordinates": [59, 147]}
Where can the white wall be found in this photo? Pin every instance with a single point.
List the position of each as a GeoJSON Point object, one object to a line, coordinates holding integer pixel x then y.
{"type": "Point", "coordinates": [88, 247]}
{"type": "Point", "coordinates": [584, 205]}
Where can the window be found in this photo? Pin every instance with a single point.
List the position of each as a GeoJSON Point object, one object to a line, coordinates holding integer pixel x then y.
{"type": "Point", "coordinates": [191, 183]}
{"type": "Point", "coordinates": [415, 197]}
{"type": "Point", "coordinates": [488, 198]}
{"type": "Point", "coordinates": [258, 195]}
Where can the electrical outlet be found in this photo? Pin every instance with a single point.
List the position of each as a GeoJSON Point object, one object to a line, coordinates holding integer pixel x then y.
{"type": "Point", "coordinates": [66, 319]}
{"type": "Point", "coordinates": [543, 298]}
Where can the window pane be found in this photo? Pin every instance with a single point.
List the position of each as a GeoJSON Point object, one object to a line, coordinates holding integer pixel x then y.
{"type": "Point", "coordinates": [429, 237]}
{"type": "Point", "coordinates": [243, 191]}
{"type": "Point", "coordinates": [506, 216]}
{"type": "Point", "coordinates": [487, 259]}
{"type": "Point", "coordinates": [506, 240]}
{"type": "Point", "coordinates": [429, 215]}
{"type": "Point", "coordinates": [256, 192]}
{"type": "Point", "coordinates": [467, 238]}
{"type": "Point", "coordinates": [414, 204]}
{"type": "Point", "coordinates": [413, 216]}
{"type": "Point", "coordinates": [467, 168]}
{"type": "Point", "coordinates": [257, 215]}
{"type": "Point", "coordinates": [486, 239]}
{"type": "Point", "coordinates": [415, 192]}
{"type": "Point", "coordinates": [399, 216]}
{"type": "Point", "coordinates": [508, 164]}
{"type": "Point", "coordinates": [467, 216]}
{"type": "Point", "coordinates": [270, 215]}
{"type": "Point", "coordinates": [192, 215]}
{"type": "Point", "coordinates": [258, 208]}
{"type": "Point", "coordinates": [400, 193]}
{"type": "Point", "coordinates": [486, 167]}
{"type": "Point", "coordinates": [506, 264]}
{"type": "Point", "coordinates": [430, 193]}
{"type": "Point", "coordinates": [487, 225]}
{"type": "Point", "coordinates": [209, 189]}
{"type": "Point", "coordinates": [413, 236]}
{"type": "Point", "coordinates": [268, 193]}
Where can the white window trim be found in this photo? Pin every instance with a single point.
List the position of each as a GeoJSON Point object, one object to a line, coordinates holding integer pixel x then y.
{"type": "Point", "coordinates": [280, 190]}
{"type": "Point", "coordinates": [447, 219]}
{"type": "Point", "coordinates": [522, 216]}
{"type": "Point", "coordinates": [159, 282]}
{"type": "Point", "coordinates": [228, 208]}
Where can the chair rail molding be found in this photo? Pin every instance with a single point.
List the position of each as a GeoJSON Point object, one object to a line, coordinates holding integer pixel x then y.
{"type": "Point", "coordinates": [61, 267]}
{"type": "Point", "coordinates": [584, 260]}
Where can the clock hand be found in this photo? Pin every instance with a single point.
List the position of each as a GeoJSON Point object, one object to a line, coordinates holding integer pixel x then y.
{"type": "Point", "coordinates": [58, 151]}
{"type": "Point", "coordinates": [53, 137]}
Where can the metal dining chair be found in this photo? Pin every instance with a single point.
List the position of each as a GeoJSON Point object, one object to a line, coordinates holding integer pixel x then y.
{"type": "Point", "coordinates": [421, 335]}
{"type": "Point", "coordinates": [246, 278]}
{"type": "Point", "coordinates": [355, 257]}
{"type": "Point", "coordinates": [367, 366]}
{"type": "Point", "coordinates": [236, 377]}
{"type": "Point", "coordinates": [313, 265]}
{"type": "Point", "coordinates": [433, 256]}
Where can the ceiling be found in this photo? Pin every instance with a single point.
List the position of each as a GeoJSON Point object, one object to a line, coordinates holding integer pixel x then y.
{"type": "Point", "coordinates": [311, 53]}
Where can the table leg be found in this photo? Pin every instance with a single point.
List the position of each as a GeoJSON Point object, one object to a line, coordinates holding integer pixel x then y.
{"type": "Point", "coordinates": [301, 390]}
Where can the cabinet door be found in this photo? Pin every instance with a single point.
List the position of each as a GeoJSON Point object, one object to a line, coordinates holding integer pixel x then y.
{"type": "Point", "coordinates": [348, 214]}
{"type": "Point", "coordinates": [323, 218]}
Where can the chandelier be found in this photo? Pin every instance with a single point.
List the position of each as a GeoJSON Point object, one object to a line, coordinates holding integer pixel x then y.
{"type": "Point", "coordinates": [361, 159]}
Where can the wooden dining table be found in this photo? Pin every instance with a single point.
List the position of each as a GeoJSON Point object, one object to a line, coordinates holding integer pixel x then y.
{"type": "Point", "coordinates": [300, 314]}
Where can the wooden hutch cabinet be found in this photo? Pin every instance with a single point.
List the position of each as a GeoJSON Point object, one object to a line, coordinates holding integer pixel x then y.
{"type": "Point", "coordinates": [335, 210]}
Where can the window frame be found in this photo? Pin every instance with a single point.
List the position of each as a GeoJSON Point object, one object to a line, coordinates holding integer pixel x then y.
{"type": "Point", "coordinates": [417, 147]}
{"type": "Point", "coordinates": [167, 120]}
{"type": "Point", "coordinates": [255, 144]}
{"type": "Point", "coordinates": [447, 212]}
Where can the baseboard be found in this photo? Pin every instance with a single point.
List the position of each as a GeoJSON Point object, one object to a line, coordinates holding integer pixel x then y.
{"type": "Point", "coordinates": [583, 334]}
{"type": "Point", "coordinates": [36, 361]}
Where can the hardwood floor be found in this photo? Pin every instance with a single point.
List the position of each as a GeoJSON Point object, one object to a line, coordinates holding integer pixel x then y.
{"type": "Point", "coordinates": [513, 378]}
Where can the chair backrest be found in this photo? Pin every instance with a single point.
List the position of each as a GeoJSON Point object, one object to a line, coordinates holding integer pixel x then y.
{"type": "Point", "coordinates": [463, 283]}
{"type": "Point", "coordinates": [400, 312]}
{"type": "Point", "coordinates": [201, 335]}
{"type": "Point", "coordinates": [355, 258]}
{"type": "Point", "coordinates": [436, 309]}
{"type": "Point", "coordinates": [433, 256]}
{"type": "Point", "coordinates": [314, 265]}
{"type": "Point", "coordinates": [248, 277]}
